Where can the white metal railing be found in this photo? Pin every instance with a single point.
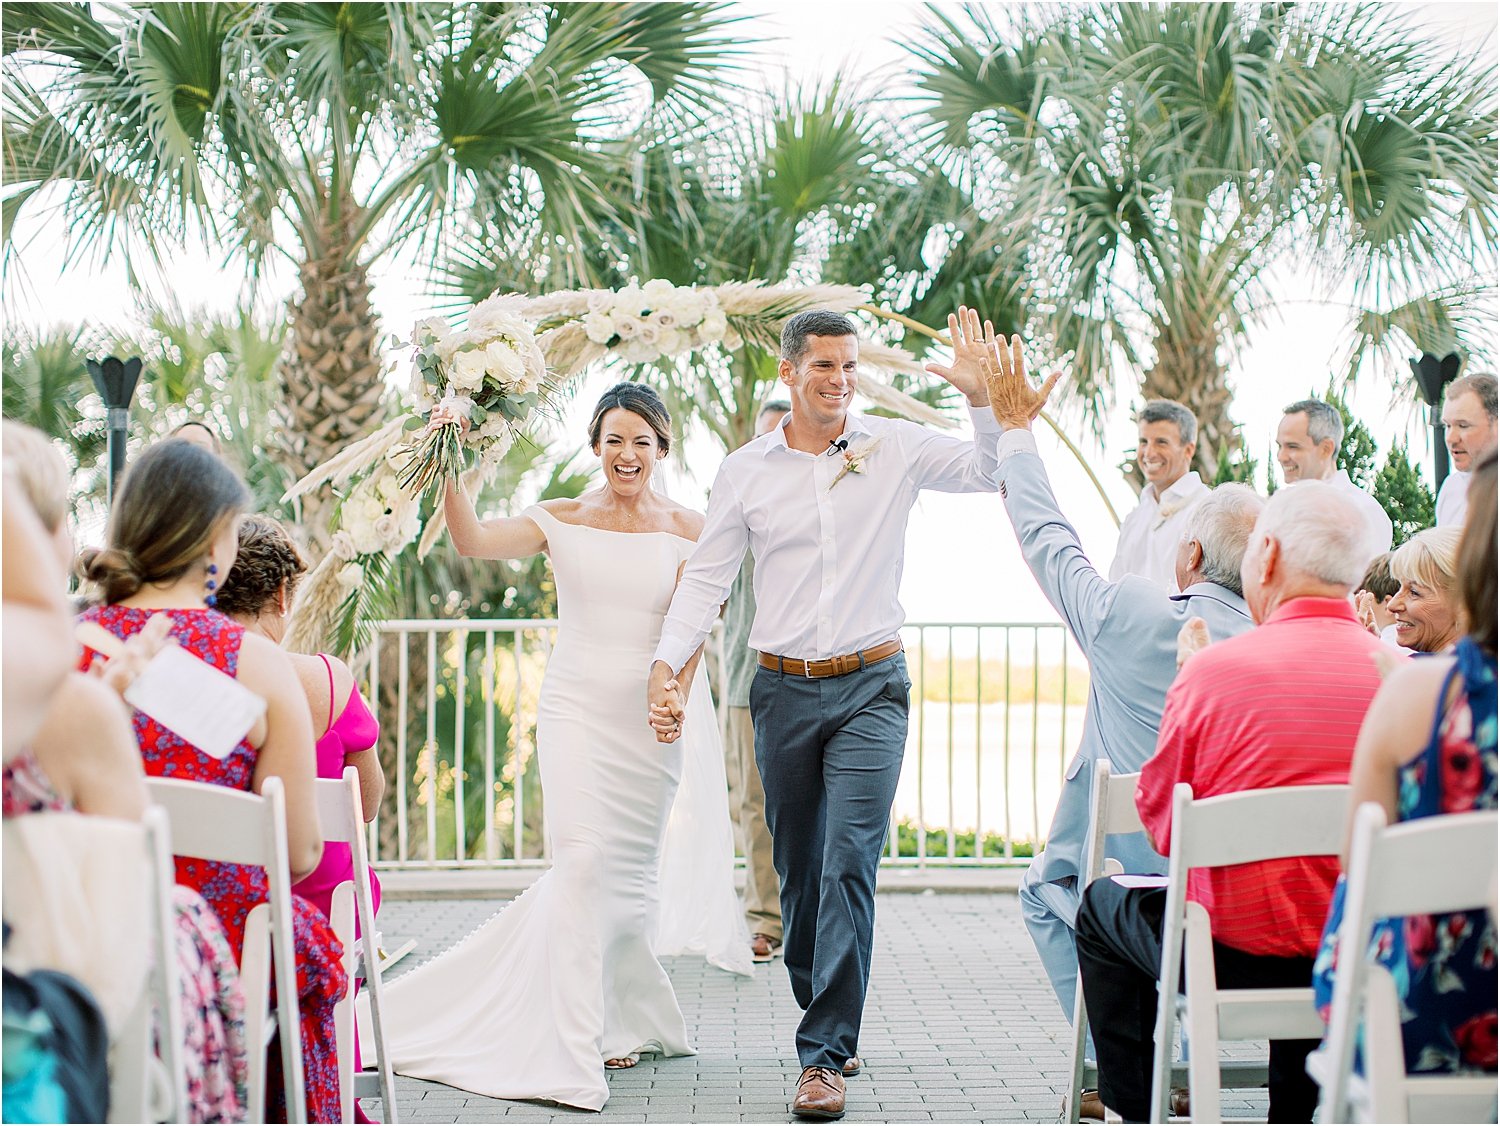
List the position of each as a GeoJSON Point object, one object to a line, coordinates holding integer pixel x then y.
{"type": "Point", "coordinates": [986, 752]}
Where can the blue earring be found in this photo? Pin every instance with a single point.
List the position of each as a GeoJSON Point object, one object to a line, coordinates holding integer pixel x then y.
{"type": "Point", "coordinates": [211, 599]}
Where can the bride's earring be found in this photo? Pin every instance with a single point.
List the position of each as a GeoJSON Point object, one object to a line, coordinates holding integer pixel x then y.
{"type": "Point", "coordinates": [211, 599]}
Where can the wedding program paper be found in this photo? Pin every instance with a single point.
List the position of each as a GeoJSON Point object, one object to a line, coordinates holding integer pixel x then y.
{"type": "Point", "coordinates": [208, 708]}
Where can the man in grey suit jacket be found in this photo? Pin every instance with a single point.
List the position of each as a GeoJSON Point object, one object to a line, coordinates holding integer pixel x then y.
{"type": "Point", "coordinates": [1128, 631]}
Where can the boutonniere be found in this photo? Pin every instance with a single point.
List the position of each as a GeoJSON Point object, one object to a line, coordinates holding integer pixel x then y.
{"type": "Point", "coordinates": [854, 461]}
{"type": "Point", "coordinates": [1168, 509]}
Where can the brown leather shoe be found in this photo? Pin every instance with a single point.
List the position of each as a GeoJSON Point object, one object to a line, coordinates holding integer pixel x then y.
{"type": "Point", "coordinates": [1090, 1105]}
{"type": "Point", "coordinates": [853, 1066]}
{"type": "Point", "coordinates": [763, 947]}
{"type": "Point", "coordinates": [820, 1094]}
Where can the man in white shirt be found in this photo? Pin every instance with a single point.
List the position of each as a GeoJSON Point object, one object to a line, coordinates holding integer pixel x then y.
{"type": "Point", "coordinates": [1470, 431]}
{"type": "Point", "coordinates": [1149, 535]}
{"type": "Point", "coordinates": [1307, 444]}
{"type": "Point", "coordinates": [822, 503]}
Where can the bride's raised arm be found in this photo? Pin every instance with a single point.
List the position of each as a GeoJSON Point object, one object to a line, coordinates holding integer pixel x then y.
{"type": "Point", "coordinates": [507, 537]}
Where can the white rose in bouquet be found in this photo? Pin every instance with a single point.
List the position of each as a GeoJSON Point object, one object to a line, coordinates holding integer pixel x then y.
{"type": "Point", "coordinates": [599, 327]}
{"type": "Point", "coordinates": [350, 576]}
{"type": "Point", "coordinates": [468, 370]}
{"type": "Point", "coordinates": [504, 361]}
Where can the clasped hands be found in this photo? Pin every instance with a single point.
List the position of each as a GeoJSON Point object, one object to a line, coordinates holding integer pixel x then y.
{"type": "Point", "coordinates": [667, 703]}
{"type": "Point", "coordinates": [978, 354]}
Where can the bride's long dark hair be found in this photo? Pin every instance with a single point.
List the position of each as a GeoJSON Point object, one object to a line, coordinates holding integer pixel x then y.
{"type": "Point", "coordinates": [639, 399]}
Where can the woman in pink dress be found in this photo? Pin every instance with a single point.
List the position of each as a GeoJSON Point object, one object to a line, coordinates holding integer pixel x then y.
{"type": "Point", "coordinates": [258, 594]}
{"type": "Point", "coordinates": [172, 537]}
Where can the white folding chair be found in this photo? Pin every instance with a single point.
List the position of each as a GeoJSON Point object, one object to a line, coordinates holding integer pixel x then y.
{"type": "Point", "coordinates": [145, 1086]}
{"type": "Point", "coordinates": [341, 817]}
{"type": "Point", "coordinates": [234, 827]}
{"type": "Point", "coordinates": [1241, 828]}
{"type": "Point", "coordinates": [1409, 868]}
{"type": "Point", "coordinates": [1111, 811]}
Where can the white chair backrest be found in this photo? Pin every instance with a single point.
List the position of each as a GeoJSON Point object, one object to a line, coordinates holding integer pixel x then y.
{"type": "Point", "coordinates": [1411, 868]}
{"type": "Point", "coordinates": [1112, 812]}
{"type": "Point", "coordinates": [1256, 825]}
{"type": "Point", "coordinates": [215, 822]}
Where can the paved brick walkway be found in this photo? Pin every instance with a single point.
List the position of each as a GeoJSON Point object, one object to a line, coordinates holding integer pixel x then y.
{"type": "Point", "coordinates": [960, 1026]}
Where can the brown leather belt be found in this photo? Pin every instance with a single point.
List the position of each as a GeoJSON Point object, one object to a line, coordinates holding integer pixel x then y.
{"type": "Point", "coordinates": [832, 666]}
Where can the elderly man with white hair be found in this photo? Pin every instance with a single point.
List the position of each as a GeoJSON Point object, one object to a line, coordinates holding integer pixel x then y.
{"type": "Point", "coordinates": [1280, 705]}
{"type": "Point", "coordinates": [1128, 631]}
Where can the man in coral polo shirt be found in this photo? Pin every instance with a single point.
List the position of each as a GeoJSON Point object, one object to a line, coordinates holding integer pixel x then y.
{"type": "Point", "coordinates": [1278, 706]}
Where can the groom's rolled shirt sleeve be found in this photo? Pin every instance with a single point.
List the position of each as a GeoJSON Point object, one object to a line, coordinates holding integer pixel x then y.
{"type": "Point", "coordinates": [708, 575]}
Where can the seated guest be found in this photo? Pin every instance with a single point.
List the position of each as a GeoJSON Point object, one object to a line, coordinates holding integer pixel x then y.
{"type": "Point", "coordinates": [172, 537]}
{"type": "Point", "coordinates": [1128, 631]}
{"type": "Point", "coordinates": [1427, 747]}
{"type": "Point", "coordinates": [1470, 432]}
{"type": "Point", "coordinates": [1307, 446]}
{"type": "Point", "coordinates": [85, 758]}
{"type": "Point", "coordinates": [258, 594]}
{"type": "Point", "coordinates": [1372, 599]}
{"type": "Point", "coordinates": [200, 434]}
{"type": "Point", "coordinates": [1280, 705]}
{"type": "Point", "coordinates": [1426, 607]}
{"type": "Point", "coordinates": [1150, 534]}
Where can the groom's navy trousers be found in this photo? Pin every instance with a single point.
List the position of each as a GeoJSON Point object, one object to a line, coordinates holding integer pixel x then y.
{"type": "Point", "coordinates": [829, 752]}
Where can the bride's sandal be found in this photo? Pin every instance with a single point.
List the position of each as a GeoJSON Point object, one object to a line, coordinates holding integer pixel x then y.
{"type": "Point", "coordinates": [622, 1063]}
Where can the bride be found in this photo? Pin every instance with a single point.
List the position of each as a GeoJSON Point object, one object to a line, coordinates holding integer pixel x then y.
{"type": "Point", "coordinates": [565, 982]}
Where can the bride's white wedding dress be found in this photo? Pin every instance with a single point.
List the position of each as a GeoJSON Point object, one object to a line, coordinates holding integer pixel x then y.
{"type": "Point", "coordinates": [531, 1004]}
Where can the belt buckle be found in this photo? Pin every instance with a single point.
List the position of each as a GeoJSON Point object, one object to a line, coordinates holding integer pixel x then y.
{"type": "Point", "coordinates": [807, 671]}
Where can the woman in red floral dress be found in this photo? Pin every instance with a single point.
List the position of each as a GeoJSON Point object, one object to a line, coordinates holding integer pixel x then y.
{"type": "Point", "coordinates": [172, 537]}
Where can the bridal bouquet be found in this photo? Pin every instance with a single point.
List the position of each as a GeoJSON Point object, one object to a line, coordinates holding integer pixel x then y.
{"type": "Point", "coordinates": [493, 372]}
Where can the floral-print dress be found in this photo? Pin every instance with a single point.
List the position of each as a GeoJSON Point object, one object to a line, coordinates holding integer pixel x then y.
{"type": "Point", "coordinates": [1444, 965]}
{"type": "Point", "coordinates": [213, 1008]}
{"type": "Point", "coordinates": [233, 889]}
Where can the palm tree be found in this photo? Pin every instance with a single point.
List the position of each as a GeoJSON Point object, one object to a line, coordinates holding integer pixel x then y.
{"type": "Point", "coordinates": [1146, 166]}
{"type": "Point", "coordinates": [800, 190]}
{"type": "Point", "coordinates": [322, 136]}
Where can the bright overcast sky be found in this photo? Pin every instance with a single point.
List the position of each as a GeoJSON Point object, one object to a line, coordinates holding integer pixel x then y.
{"type": "Point", "coordinates": [963, 564]}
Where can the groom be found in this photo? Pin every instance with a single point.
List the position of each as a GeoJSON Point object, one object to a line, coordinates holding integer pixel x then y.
{"type": "Point", "coordinates": [821, 502]}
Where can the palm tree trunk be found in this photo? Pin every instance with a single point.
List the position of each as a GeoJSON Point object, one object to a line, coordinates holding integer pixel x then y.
{"type": "Point", "coordinates": [332, 371]}
{"type": "Point", "coordinates": [1189, 372]}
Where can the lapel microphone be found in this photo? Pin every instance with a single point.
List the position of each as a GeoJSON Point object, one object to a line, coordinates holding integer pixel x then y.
{"type": "Point", "coordinates": [837, 446]}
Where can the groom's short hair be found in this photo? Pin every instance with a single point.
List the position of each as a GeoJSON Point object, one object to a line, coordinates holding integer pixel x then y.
{"type": "Point", "coordinates": [812, 322]}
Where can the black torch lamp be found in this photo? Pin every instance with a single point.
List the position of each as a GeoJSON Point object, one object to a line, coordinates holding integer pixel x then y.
{"type": "Point", "coordinates": [1433, 374]}
{"type": "Point", "coordinates": [115, 380]}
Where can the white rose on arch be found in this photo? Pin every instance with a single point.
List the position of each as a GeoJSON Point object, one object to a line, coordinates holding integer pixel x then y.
{"type": "Point", "coordinates": [626, 327]}
{"type": "Point", "coordinates": [714, 325]}
{"type": "Point", "coordinates": [671, 342]}
{"type": "Point", "coordinates": [628, 302]}
{"type": "Point", "coordinates": [649, 334]}
{"type": "Point", "coordinates": [350, 576]}
{"type": "Point", "coordinates": [599, 327]}
{"type": "Point", "coordinates": [341, 546]}
{"type": "Point", "coordinates": [601, 301]}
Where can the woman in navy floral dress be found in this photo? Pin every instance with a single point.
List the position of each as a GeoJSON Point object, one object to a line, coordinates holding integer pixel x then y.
{"type": "Point", "coordinates": [172, 537]}
{"type": "Point", "coordinates": [1427, 748]}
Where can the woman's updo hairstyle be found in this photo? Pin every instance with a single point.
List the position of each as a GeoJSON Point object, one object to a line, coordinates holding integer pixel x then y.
{"type": "Point", "coordinates": [268, 560]}
{"type": "Point", "coordinates": [172, 502]}
{"type": "Point", "coordinates": [638, 399]}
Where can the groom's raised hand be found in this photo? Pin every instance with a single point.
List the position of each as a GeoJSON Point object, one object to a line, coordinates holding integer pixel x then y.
{"type": "Point", "coordinates": [1013, 400]}
{"type": "Point", "coordinates": [971, 343]}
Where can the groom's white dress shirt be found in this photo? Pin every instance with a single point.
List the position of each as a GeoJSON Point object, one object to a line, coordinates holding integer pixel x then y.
{"type": "Point", "coordinates": [828, 554]}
